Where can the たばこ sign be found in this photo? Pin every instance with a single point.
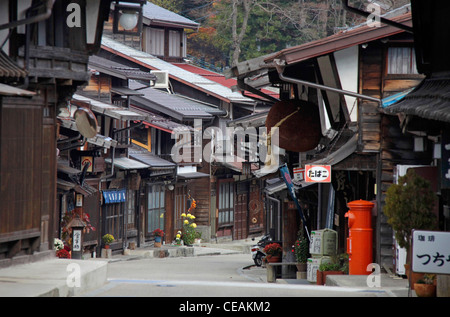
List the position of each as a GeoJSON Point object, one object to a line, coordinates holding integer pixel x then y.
{"type": "Point", "coordinates": [318, 173]}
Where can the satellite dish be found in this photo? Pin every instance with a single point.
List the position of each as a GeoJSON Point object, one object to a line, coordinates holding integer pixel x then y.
{"type": "Point", "coordinates": [86, 122]}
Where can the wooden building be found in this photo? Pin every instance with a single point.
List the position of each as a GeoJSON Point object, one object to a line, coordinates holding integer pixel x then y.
{"type": "Point", "coordinates": [422, 115]}
{"type": "Point", "coordinates": [181, 81]}
{"type": "Point", "coordinates": [44, 61]}
{"type": "Point", "coordinates": [347, 75]}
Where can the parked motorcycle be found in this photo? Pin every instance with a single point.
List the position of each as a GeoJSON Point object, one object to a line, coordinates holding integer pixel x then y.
{"type": "Point", "coordinates": [258, 249]}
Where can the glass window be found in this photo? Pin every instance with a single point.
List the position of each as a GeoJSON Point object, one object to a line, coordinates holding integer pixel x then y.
{"type": "Point", "coordinates": [156, 208]}
{"type": "Point", "coordinates": [226, 202]}
{"type": "Point", "coordinates": [401, 60]}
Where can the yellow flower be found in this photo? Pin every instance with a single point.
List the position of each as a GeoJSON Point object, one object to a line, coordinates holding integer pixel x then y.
{"type": "Point", "coordinates": [186, 222]}
{"type": "Point", "coordinates": [194, 225]}
{"type": "Point", "coordinates": [183, 215]}
{"type": "Point", "coordinates": [178, 236]}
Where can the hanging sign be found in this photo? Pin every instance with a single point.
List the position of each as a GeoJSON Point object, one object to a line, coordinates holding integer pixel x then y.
{"type": "Point", "coordinates": [114, 196]}
{"type": "Point", "coordinates": [318, 173]}
{"type": "Point", "coordinates": [299, 174]}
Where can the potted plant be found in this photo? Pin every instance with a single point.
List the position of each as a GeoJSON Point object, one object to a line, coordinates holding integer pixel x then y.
{"type": "Point", "coordinates": [178, 239]}
{"type": "Point", "coordinates": [273, 252]}
{"type": "Point", "coordinates": [158, 237]}
{"type": "Point", "coordinates": [426, 287]}
{"type": "Point", "coordinates": [408, 206]}
{"type": "Point", "coordinates": [337, 266]}
{"type": "Point", "coordinates": [189, 232]}
{"type": "Point", "coordinates": [301, 252]}
{"type": "Point", "coordinates": [107, 240]}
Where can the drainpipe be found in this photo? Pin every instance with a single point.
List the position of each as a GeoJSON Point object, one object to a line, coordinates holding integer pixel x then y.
{"type": "Point", "coordinates": [280, 70]}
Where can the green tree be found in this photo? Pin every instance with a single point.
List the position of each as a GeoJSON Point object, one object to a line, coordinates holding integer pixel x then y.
{"type": "Point", "coordinates": [171, 5]}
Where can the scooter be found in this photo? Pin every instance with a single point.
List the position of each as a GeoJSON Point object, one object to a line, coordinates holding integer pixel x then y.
{"type": "Point", "coordinates": [258, 249]}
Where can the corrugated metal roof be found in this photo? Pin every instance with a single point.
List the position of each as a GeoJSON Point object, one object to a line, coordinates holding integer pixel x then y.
{"type": "Point", "coordinates": [6, 90]}
{"type": "Point", "coordinates": [430, 100]}
{"type": "Point", "coordinates": [118, 70]}
{"type": "Point", "coordinates": [177, 108]}
{"type": "Point", "coordinates": [148, 158]}
{"type": "Point", "coordinates": [157, 15]}
{"type": "Point", "coordinates": [221, 79]}
{"type": "Point", "coordinates": [127, 164]}
{"type": "Point", "coordinates": [110, 110]}
{"type": "Point", "coordinates": [344, 39]}
{"type": "Point", "coordinates": [176, 73]}
{"type": "Point", "coordinates": [160, 122]}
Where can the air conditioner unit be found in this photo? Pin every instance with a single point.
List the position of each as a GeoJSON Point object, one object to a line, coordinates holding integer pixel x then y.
{"type": "Point", "coordinates": [162, 80]}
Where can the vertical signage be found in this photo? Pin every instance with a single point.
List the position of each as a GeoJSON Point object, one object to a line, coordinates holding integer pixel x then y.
{"type": "Point", "coordinates": [76, 244]}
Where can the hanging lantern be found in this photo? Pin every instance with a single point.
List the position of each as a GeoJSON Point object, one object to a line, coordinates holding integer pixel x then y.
{"type": "Point", "coordinates": [298, 122]}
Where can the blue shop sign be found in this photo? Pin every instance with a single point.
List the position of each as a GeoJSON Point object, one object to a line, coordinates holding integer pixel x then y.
{"type": "Point", "coordinates": [114, 196]}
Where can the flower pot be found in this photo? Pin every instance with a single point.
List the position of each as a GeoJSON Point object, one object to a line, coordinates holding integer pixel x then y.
{"type": "Point", "coordinates": [157, 239]}
{"type": "Point", "coordinates": [273, 258]}
{"type": "Point", "coordinates": [301, 271]}
{"type": "Point", "coordinates": [425, 290]}
{"type": "Point", "coordinates": [322, 276]}
{"type": "Point", "coordinates": [413, 277]}
{"type": "Point", "coordinates": [319, 278]}
{"type": "Point", "coordinates": [107, 246]}
{"type": "Point", "coordinates": [301, 267]}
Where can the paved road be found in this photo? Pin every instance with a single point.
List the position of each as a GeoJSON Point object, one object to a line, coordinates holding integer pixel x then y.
{"type": "Point", "coordinates": [205, 276]}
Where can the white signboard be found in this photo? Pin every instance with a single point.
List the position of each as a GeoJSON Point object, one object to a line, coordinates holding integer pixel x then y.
{"type": "Point", "coordinates": [431, 252]}
{"type": "Point", "coordinates": [318, 173]}
{"type": "Point", "coordinates": [299, 174]}
{"type": "Point", "coordinates": [76, 240]}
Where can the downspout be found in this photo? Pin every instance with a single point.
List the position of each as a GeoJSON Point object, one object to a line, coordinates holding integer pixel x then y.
{"type": "Point", "coordinates": [366, 14]}
{"type": "Point", "coordinates": [280, 70]}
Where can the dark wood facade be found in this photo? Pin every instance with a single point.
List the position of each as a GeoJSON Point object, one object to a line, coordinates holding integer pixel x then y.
{"type": "Point", "coordinates": [44, 62]}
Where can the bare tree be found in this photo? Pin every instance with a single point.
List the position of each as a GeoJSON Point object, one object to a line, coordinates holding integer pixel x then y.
{"type": "Point", "coordinates": [238, 35]}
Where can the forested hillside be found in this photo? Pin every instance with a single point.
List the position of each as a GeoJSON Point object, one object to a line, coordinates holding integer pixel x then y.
{"type": "Point", "coordinates": [237, 30]}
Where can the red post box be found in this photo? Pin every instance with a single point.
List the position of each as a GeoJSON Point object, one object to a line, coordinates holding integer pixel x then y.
{"type": "Point", "coordinates": [359, 241]}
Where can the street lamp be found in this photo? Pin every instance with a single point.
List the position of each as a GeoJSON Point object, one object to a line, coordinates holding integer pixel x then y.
{"type": "Point", "coordinates": [128, 17]}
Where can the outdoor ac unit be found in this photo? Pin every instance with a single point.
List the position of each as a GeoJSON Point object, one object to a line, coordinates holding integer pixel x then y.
{"type": "Point", "coordinates": [162, 79]}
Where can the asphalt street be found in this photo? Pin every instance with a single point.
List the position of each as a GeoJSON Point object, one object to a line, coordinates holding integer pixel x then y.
{"type": "Point", "coordinates": [231, 275]}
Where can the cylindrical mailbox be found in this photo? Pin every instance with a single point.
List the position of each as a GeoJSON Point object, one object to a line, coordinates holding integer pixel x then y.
{"type": "Point", "coordinates": [359, 241]}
